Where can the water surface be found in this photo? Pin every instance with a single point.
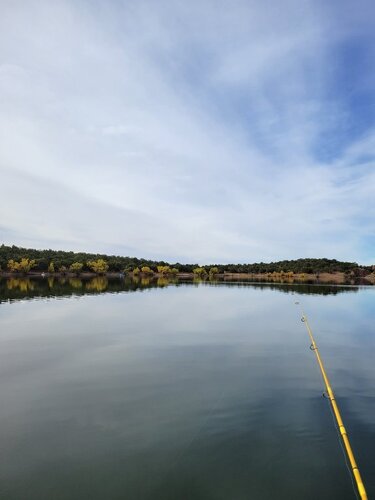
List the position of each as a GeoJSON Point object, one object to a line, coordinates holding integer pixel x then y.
{"type": "Point", "coordinates": [122, 390]}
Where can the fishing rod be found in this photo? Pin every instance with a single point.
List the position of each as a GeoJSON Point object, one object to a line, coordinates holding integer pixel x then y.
{"type": "Point", "coordinates": [330, 395]}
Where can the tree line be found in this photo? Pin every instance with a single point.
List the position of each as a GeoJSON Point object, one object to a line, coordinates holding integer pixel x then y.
{"type": "Point", "coordinates": [62, 261]}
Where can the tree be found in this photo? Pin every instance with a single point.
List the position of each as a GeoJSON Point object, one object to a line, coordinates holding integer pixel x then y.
{"type": "Point", "coordinates": [200, 272]}
{"type": "Point", "coordinates": [214, 271]}
{"type": "Point", "coordinates": [60, 258]}
{"type": "Point", "coordinates": [62, 269]}
{"type": "Point", "coordinates": [136, 271]}
{"type": "Point", "coordinates": [147, 270]}
{"type": "Point", "coordinates": [76, 267]}
{"type": "Point", "coordinates": [51, 267]}
{"type": "Point", "coordinates": [167, 270]}
{"type": "Point", "coordinates": [23, 266]}
{"type": "Point", "coordinates": [12, 266]}
{"type": "Point", "coordinates": [99, 266]}
{"type": "Point", "coordinates": [163, 269]}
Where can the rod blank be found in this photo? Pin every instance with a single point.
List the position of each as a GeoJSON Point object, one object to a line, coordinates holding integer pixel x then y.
{"type": "Point", "coordinates": [336, 412]}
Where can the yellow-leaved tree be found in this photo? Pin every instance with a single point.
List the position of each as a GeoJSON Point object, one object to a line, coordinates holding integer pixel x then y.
{"type": "Point", "coordinates": [147, 270]}
{"type": "Point", "coordinates": [164, 269]}
{"type": "Point", "coordinates": [99, 266]}
{"type": "Point", "coordinates": [200, 272]}
{"type": "Point", "coordinates": [167, 270]}
{"type": "Point", "coordinates": [213, 271]}
{"type": "Point", "coordinates": [76, 267]}
{"type": "Point", "coordinates": [23, 266]}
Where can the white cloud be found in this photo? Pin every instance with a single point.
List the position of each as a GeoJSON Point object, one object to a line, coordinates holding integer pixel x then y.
{"type": "Point", "coordinates": [177, 131]}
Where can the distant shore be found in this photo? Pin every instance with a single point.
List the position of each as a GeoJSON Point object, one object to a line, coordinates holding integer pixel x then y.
{"type": "Point", "coordinates": [336, 278]}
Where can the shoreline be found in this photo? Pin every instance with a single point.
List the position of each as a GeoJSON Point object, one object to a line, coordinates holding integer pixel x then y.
{"type": "Point", "coordinates": [337, 278]}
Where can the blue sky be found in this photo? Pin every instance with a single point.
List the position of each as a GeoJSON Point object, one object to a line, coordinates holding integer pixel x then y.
{"type": "Point", "coordinates": [203, 131]}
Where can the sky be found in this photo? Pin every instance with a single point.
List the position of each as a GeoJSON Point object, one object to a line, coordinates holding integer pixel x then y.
{"type": "Point", "coordinates": [201, 131]}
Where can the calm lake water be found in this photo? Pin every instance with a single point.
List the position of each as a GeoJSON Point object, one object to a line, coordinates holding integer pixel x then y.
{"type": "Point", "coordinates": [120, 390]}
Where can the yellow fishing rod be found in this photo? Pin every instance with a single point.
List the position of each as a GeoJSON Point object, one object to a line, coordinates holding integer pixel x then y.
{"type": "Point", "coordinates": [336, 412]}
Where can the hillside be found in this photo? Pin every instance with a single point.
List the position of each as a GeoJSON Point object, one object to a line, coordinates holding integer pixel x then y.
{"type": "Point", "coordinates": [119, 263]}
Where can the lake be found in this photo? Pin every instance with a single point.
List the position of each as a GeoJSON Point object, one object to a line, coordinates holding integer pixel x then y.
{"type": "Point", "coordinates": [190, 391]}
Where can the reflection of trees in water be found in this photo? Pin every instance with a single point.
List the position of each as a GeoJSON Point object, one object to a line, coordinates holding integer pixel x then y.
{"type": "Point", "coordinates": [197, 280]}
{"type": "Point", "coordinates": [162, 281]}
{"type": "Point", "coordinates": [97, 284]}
{"type": "Point", "coordinates": [165, 281]}
{"type": "Point", "coordinates": [75, 282]}
{"type": "Point", "coordinates": [23, 284]}
{"type": "Point", "coordinates": [302, 288]}
{"type": "Point", "coordinates": [23, 288]}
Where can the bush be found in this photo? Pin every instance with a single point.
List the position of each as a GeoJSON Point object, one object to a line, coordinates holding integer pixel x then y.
{"type": "Point", "coordinates": [76, 267]}
{"type": "Point", "coordinates": [23, 266]}
{"type": "Point", "coordinates": [200, 272]}
{"type": "Point", "coordinates": [147, 270]}
{"type": "Point", "coordinates": [99, 266]}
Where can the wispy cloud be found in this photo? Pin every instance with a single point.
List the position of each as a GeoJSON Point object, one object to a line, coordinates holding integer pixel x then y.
{"type": "Point", "coordinates": [198, 132]}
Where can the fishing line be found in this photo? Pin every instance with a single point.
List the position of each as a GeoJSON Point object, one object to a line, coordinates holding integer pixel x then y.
{"type": "Point", "coordinates": [344, 453]}
{"type": "Point", "coordinates": [335, 411]}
